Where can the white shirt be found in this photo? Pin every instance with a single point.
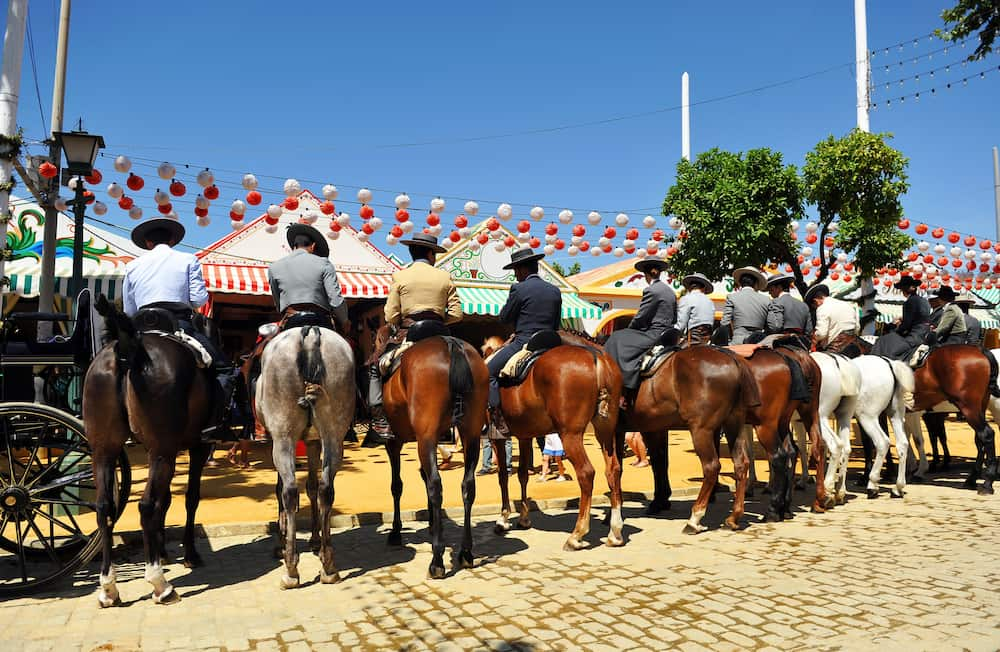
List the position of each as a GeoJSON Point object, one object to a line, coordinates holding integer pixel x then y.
{"type": "Point", "coordinates": [834, 317]}
{"type": "Point", "coordinates": [695, 309]}
{"type": "Point", "coordinates": [163, 275]}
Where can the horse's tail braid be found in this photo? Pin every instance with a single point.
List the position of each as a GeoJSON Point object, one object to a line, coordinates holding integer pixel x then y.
{"type": "Point", "coordinates": [312, 369]}
{"type": "Point", "coordinates": [748, 385]}
{"type": "Point", "coordinates": [459, 377]}
{"type": "Point", "coordinates": [994, 370]}
{"type": "Point", "coordinates": [602, 390]}
{"type": "Point", "coordinates": [903, 376]}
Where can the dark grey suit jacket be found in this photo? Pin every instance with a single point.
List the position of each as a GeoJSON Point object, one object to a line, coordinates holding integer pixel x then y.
{"type": "Point", "coordinates": [657, 310]}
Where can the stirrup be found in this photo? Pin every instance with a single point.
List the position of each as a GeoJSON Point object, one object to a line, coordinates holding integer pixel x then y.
{"type": "Point", "coordinates": [380, 424]}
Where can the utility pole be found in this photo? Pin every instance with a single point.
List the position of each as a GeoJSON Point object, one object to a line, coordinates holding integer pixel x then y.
{"type": "Point", "coordinates": [996, 188]}
{"type": "Point", "coordinates": [685, 119]}
{"type": "Point", "coordinates": [48, 279]}
{"type": "Point", "coordinates": [10, 88]}
{"type": "Point", "coordinates": [862, 77]}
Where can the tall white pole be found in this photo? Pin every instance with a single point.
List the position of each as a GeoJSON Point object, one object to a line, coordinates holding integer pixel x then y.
{"type": "Point", "coordinates": [685, 119]}
{"type": "Point", "coordinates": [10, 88]}
{"type": "Point", "coordinates": [996, 188]}
{"type": "Point", "coordinates": [862, 76]}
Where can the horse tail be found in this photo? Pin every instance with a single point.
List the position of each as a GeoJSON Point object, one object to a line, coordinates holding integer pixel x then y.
{"type": "Point", "coordinates": [904, 380]}
{"type": "Point", "coordinates": [748, 385]}
{"type": "Point", "coordinates": [994, 370]}
{"type": "Point", "coordinates": [312, 369]}
{"type": "Point", "coordinates": [459, 377]}
{"type": "Point", "coordinates": [603, 391]}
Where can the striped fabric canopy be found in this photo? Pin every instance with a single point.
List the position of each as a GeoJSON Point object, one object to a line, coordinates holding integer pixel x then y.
{"type": "Point", "coordinates": [27, 285]}
{"type": "Point", "coordinates": [489, 301]}
{"type": "Point", "coordinates": [252, 279]}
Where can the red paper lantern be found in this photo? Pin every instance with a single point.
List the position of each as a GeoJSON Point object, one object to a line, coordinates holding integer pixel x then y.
{"type": "Point", "coordinates": [492, 224]}
{"type": "Point", "coordinates": [551, 229]}
{"type": "Point", "coordinates": [89, 197]}
{"type": "Point", "coordinates": [788, 268]}
{"type": "Point", "coordinates": [970, 241]}
{"type": "Point", "coordinates": [433, 219]}
{"type": "Point", "coordinates": [290, 203]}
{"type": "Point", "coordinates": [94, 178]}
{"type": "Point", "coordinates": [812, 238]}
{"type": "Point", "coordinates": [212, 193]}
{"type": "Point", "coordinates": [611, 232]}
{"type": "Point", "coordinates": [942, 261]}
{"type": "Point", "coordinates": [956, 264]}
{"type": "Point", "coordinates": [367, 228]}
{"type": "Point", "coordinates": [454, 236]}
{"type": "Point", "coordinates": [671, 250]}
{"type": "Point", "coordinates": [366, 212]}
{"type": "Point", "coordinates": [996, 247]}
{"type": "Point", "coordinates": [200, 212]}
{"type": "Point", "coordinates": [912, 256]}
{"type": "Point", "coordinates": [847, 278]}
{"type": "Point", "coordinates": [48, 170]}
{"type": "Point", "coordinates": [954, 237]}
{"type": "Point", "coordinates": [848, 267]}
{"type": "Point", "coordinates": [523, 226]}
{"type": "Point", "coordinates": [559, 244]}
{"type": "Point", "coordinates": [509, 241]}
{"type": "Point", "coordinates": [402, 215]}
{"type": "Point", "coordinates": [816, 262]}
{"type": "Point", "coordinates": [834, 276]}
{"type": "Point", "coordinates": [273, 220]}
{"type": "Point", "coordinates": [579, 230]}
{"type": "Point", "coordinates": [928, 259]}
{"type": "Point", "coordinates": [921, 229]}
{"type": "Point", "coordinates": [327, 208]}
{"type": "Point", "coordinates": [125, 203]}
{"type": "Point", "coordinates": [334, 225]}
{"type": "Point", "coordinates": [482, 238]}
{"type": "Point", "coordinates": [923, 286]}
{"type": "Point", "coordinates": [396, 231]}
{"type": "Point", "coordinates": [984, 268]}
{"type": "Point", "coordinates": [584, 246]}
{"type": "Point", "coordinates": [461, 221]}
{"type": "Point", "coordinates": [829, 242]}
{"type": "Point", "coordinates": [534, 243]}
{"type": "Point", "coordinates": [904, 224]}
{"type": "Point", "coordinates": [177, 189]}
{"type": "Point", "coordinates": [971, 266]}
{"type": "Point", "coordinates": [253, 197]}
{"type": "Point", "coordinates": [166, 208]}
{"type": "Point", "coordinates": [134, 182]}
{"type": "Point", "coordinates": [606, 249]}
{"type": "Point", "coordinates": [996, 268]}
{"type": "Point", "coordinates": [657, 235]}
{"type": "Point", "coordinates": [633, 234]}
{"type": "Point", "coordinates": [801, 259]}
{"type": "Point", "coordinates": [938, 233]}
{"type": "Point", "coordinates": [236, 217]}
{"type": "Point", "coordinates": [875, 281]}
{"type": "Point", "coordinates": [985, 244]}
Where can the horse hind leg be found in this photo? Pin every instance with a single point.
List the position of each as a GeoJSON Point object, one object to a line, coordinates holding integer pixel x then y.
{"type": "Point", "coordinates": [502, 526]}
{"type": "Point", "coordinates": [312, 491]}
{"type": "Point", "coordinates": [573, 446]}
{"type": "Point", "coordinates": [104, 476]}
{"type": "Point", "coordinates": [913, 429]}
{"type": "Point", "coordinates": [283, 453]}
{"type": "Point", "coordinates": [393, 449]}
{"type": "Point", "coordinates": [198, 456]}
{"type": "Point", "coordinates": [985, 440]}
{"type": "Point", "coordinates": [612, 450]}
{"type": "Point", "coordinates": [896, 416]}
{"type": "Point", "coordinates": [870, 428]}
{"type": "Point", "coordinates": [704, 446]}
{"type": "Point", "coordinates": [427, 452]}
{"type": "Point", "coordinates": [152, 506]}
{"type": "Point", "coordinates": [332, 453]}
{"type": "Point", "coordinates": [470, 443]}
{"type": "Point", "coordinates": [524, 464]}
{"type": "Point", "coordinates": [738, 448]}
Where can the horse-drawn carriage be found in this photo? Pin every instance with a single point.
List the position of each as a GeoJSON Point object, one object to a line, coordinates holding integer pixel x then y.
{"type": "Point", "coordinates": [48, 523]}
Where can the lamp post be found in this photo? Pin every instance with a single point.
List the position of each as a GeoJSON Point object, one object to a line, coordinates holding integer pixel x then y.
{"type": "Point", "coordinates": [80, 149]}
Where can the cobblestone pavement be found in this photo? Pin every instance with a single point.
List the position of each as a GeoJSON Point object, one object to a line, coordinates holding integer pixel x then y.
{"type": "Point", "coordinates": [915, 574]}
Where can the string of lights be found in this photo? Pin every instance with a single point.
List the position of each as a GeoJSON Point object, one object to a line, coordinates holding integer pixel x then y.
{"type": "Point", "coordinates": [933, 91]}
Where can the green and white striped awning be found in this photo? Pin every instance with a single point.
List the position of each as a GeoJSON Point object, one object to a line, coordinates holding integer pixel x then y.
{"type": "Point", "coordinates": [489, 301]}
{"type": "Point", "coordinates": [27, 285]}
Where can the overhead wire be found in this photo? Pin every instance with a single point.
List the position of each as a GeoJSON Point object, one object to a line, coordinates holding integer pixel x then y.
{"type": "Point", "coordinates": [34, 71]}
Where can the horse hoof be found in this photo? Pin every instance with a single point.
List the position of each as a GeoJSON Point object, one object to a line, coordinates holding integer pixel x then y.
{"type": "Point", "coordinates": [500, 530]}
{"type": "Point", "coordinates": [193, 561]}
{"type": "Point", "coordinates": [896, 493]}
{"type": "Point", "coordinates": [465, 559]}
{"type": "Point", "coordinates": [104, 602]}
{"type": "Point", "coordinates": [787, 516]}
{"type": "Point", "coordinates": [970, 483]}
{"type": "Point", "coordinates": [985, 491]}
{"type": "Point", "coordinates": [289, 582]}
{"type": "Point", "coordinates": [817, 508]}
{"type": "Point", "coordinates": [524, 524]}
{"type": "Point", "coordinates": [872, 494]}
{"type": "Point", "coordinates": [314, 546]}
{"type": "Point", "coordinates": [436, 572]}
{"type": "Point", "coordinates": [655, 507]}
{"type": "Point", "coordinates": [395, 539]}
{"type": "Point", "coordinates": [614, 541]}
{"type": "Point", "coordinates": [841, 499]}
{"type": "Point", "coordinates": [691, 529]}
{"type": "Point", "coordinates": [572, 544]}
{"type": "Point", "coordinates": [732, 524]}
{"type": "Point", "coordinates": [333, 578]}
{"type": "Point", "coordinates": [772, 517]}
{"type": "Point", "coordinates": [168, 597]}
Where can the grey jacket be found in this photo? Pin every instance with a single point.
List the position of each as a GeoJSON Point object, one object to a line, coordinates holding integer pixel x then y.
{"type": "Point", "coordinates": [302, 277]}
{"type": "Point", "coordinates": [788, 313]}
{"type": "Point", "coordinates": [973, 330]}
{"type": "Point", "coordinates": [657, 310]}
{"type": "Point", "coordinates": [746, 309]}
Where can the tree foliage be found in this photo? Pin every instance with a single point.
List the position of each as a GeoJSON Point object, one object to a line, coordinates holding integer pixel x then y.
{"type": "Point", "coordinates": [968, 17]}
{"type": "Point", "coordinates": [573, 269]}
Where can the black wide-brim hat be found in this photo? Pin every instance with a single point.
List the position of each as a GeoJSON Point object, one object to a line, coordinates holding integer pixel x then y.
{"type": "Point", "coordinates": [815, 290]}
{"type": "Point", "coordinates": [139, 232]}
{"type": "Point", "coordinates": [425, 240]}
{"type": "Point", "coordinates": [945, 293]}
{"type": "Point", "coordinates": [698, 279]}
{"type": "Point", "coordinates": [522, 256]}
{"type": "Point", "coordinates": [650, 263]}
{"type": "Point", "coordinates": [322, 246]}
{"type": "Point", "coordinates": [907, 282]}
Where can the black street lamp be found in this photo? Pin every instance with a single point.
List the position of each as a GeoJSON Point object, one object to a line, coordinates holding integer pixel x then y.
{"type": "Point", "coordinates": [80, 149]}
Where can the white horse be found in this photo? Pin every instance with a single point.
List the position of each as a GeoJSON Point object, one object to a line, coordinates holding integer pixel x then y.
{"type": "Point", "coordinates": [884, 388]}
{"type": "Point", "coordinates": [837, 400]}
{"type": "Point", "coordinates": [307, 389]}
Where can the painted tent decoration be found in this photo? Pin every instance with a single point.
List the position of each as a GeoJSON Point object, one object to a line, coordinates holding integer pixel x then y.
{"type": "Point", "coordinates": [483, 283]}
{"type": "Point", "coordinates": [104, 254]}
{"type": "Point", "coordinates": [237, 264]}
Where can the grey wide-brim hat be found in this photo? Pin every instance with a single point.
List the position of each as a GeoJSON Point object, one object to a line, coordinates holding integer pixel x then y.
{"type": "Point", "coordinates": [759, 281]}
{"type": "Point", "coordinates": [697, 279]}
{"type": "Point", "coordinates": [140, 232]}
{"type": "Point", "coordinates": [811, 293]}
{"type": "Point", "coordinates": [965, 297]}
{"type": "Point", "coordinates": [322, 246]}
{"type": "Point", "coordinates": [425, 240]}
{"type": "Point", "coordinates": [780, 277]}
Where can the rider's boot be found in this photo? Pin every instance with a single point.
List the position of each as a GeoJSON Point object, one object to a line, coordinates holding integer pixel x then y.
{"type": "Point", "coordinates": [379, 422]}
{"type": "Point", "coordinates": [496, 416]}
{"type": "Point", "coordinates": [218, 429]}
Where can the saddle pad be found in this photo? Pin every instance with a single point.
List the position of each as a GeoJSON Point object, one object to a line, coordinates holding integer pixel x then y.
{"type": "Point", "coordinates": [201, 355]}
{"type": "Point", "coordinates": [510, 369]}
{"type": "Point", "coordinates": [652, 361]}
{"type": "Point", "coordinates": [389, 361]}
{"type": "Point", "coordinates": [744, 350]}
{"type": "Point", "coordinates": [919, 356]}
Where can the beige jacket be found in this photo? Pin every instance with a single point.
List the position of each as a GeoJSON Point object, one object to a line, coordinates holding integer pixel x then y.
{"type": "Point", "coordinates": [421, 287]}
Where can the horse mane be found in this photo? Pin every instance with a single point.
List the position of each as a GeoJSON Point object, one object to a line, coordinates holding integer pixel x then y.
{"type": "Point", "coordinates": [119, 329]}
{"type": "Point", "coordinates": [570, 334]}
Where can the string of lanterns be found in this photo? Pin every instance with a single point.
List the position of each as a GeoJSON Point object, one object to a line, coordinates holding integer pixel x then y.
{"type": "Point", "coordinates": [932, 92]}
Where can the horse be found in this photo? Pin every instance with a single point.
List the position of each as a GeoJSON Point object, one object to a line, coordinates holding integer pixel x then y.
{"type": "Point", "coordinates": [306, 386]}
{"type": "Point", "coordinates": [569, 386]}
{"type": "Point", "coordinates": [838, 398]}
{"type": "Point", "coordinates": [708, 391]}
{"type": "Point", "coordinates": [441, 382]}
{"type": "Point", "coordinates": [148, 387]}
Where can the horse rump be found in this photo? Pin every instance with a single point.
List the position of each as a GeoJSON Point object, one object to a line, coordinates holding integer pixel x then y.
{"type": "Point", "coordinates": [994, 370]}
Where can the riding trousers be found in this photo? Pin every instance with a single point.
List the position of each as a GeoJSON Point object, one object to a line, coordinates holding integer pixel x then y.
{"type": "Point", "coordinates": [496, 364]}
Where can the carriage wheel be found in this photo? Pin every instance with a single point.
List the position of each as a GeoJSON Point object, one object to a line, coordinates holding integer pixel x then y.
{"type": "Point", "coordinates": [48, 519]}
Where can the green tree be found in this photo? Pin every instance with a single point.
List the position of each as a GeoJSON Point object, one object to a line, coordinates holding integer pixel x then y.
{"type": "Point", "coordinates": [968, 17]}
{"type": "Point", "coordinates": [736, 209]}
{"type": "Point", "coordinates": [574, 269]}
{"type": "Point", "coordinates": [857, 181]}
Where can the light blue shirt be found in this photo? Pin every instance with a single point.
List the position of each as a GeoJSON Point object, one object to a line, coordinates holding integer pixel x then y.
{"type": "Point", "coordinates": [695, 309]}
{"type": "Point", "coordinates": [163, 275]}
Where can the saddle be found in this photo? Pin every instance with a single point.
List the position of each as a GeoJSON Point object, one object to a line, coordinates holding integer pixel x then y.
{"type": "Point", "coordinates": [164, 323]}
{"type": "Point", "coordinates": [517, 368]}
{"type": "Point", "coordinates": [657, 355]}
{"type": "Point", "coordinates": [420, 330]}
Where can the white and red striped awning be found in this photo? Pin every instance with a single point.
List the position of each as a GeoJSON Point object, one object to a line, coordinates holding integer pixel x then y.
{"type": "Point", "coordinates": [252, 279]}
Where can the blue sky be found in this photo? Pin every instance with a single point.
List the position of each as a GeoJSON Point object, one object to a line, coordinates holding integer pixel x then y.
{"type": "Point", "coordinates": [326, 90]}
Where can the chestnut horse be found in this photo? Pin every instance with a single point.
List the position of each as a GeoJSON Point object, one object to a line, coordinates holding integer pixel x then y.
{"type": "Point", "coordinates": [441, 382]}
{"type": "Point", "coordinates": [708, 391]}
{"type": "Point", "coordinates": [147, 387]}
{"type": "Point", "coordinates": [569, 386]}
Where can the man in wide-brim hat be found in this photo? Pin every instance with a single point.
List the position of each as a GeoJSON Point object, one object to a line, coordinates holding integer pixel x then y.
{"type": "Point", "coordinates": [947, 321]}
{"type": "Point", "coordinates": [911, 328]}
{"type": "Point", "coordinates": [973, 327]}
{"type": "Point", "coordinates": [304, 283]}
{"type": "Point", "coordinates": [787, 316]}
{"type": "Point", "coordinates": [837, 322]}
{"type": "Point", "coordinates": [695, 311]}
{"type": "Point", "coordinates": [745, 312]}
{"type": "Point", "coordinates": [533, 305]}
{"type": "Point", "coordinates": [656, 316]}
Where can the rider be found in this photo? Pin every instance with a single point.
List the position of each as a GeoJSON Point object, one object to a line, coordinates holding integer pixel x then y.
{"type": "Point", "coordinates": [419, 292]}
{"type": "Point", "coordinates": [304, 283]}
{"type": "Point", "coordinates": [172, 281]}
{"type": "Point", "coordinates": [786, 314]}
{"type": "Point", "coordinates": [836, 321]}
{"type": "Point", "coordinates": [533, 305]}
{"type": "Point", "coordinates": [911, 328]}
{"type": "Point", "coordinates": [973, 327]}
{"type": "Point", "coordinates": [745, 311]}
{"type": "Point", "coordinates": [949, 327]}
{"type": "Point", "coordinates": [695, 311]}
{"type": "Point", "coordinates": [656, 315]}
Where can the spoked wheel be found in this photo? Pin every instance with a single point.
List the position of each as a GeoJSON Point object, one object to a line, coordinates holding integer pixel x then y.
{"type": "Point", "coordinates": [48, 515]}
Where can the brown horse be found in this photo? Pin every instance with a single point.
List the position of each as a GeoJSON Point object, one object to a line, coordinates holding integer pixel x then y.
{"type": "Point", "coordinates": [708, 391]}
{"type": "Point", "coordinates": [441, 382]}
{"type": "Point", "coordinates": [962, 374]}
{"type": "Point", "coordinates": [569, 387]}
{"type": "Point", "coordinates": [147, 387]}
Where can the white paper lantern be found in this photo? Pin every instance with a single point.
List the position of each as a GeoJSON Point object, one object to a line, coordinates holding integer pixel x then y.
{"type": "Point", "coordinates": [621, 219]}
{"type": "Point", "coordinates": [807, 251]}
{"type": "Point", "coordinates": [475, 246]}
{"type": "Point", "coordinates": [249, 182]}
{"type": "Point", "coordinates": [407, 226]}
{"type": "Point", "coordinates": [956, 252]}
{"type": "Point", "coordinates": [204, 221]}
{"type": "Point", "coordinates": [464, 232]}
{"type": "Point", "coordinates": [364, 195]}
{"type": "Point", "coordinates": [135, 213]}
{"type": "Point", "coordinates": [523, 237]}
{"type": "Point", "coordinates": [402, 201]}
{"type": "Point", "coordinates": [330, 192]}
{"type": "Point", "coordinates": [618, 252]}
{"type": "Point", "coordinates": [448, 243]}
{"type": "Point", "coordinates": [842, 257]}
{"type": "Point", "coordinates": [649, 221]}
{"type": "Point", "coordinates": [497, 235]}
{"type": "Point", "coordinates": [640, 253]}
{"type": "Point", "coordinates": [123, 164]}
{"type": "Point", "coordinates": [603, 242]}
{"type": "Point", "coordinates": [576, 239]}
{"type": "Point", "coordinates": [237, 225]}
{"type": "Point", "coordinates": [986, 256]}
{"type": "Point", "coordinates": [73, 183]}
{"type": "Point", "coordinates": [573, 250]}
{"type": "Point", "coordinates": [343, 219]}
{"type": "Point", "coordinates": [333, 235]}
{"type": "Point", "coordinates": [594, 251]}
{"type": "Point", "coordinates": [292, 187]}
{"type": "Point", "coordinates": [435, 230]}
{"type": "Point", "coordinates": [205, 178]}
{"type": "Point", "coordinates": [916, 268]}
{"type": "Point", "coordinates": [273, 228]}
{"type": "Point", "coordinates": [811, 227]}
{"type": "Point", "coordinates": [238, 207]}
{"type": "Point", "coordinates": [504, 211]}
{"type": "Point", "coordinates": [376, 223]}
{"type": "Point", "coordinates": [565, 217]}
{"type": "Point", "coordinates": [549, 249]}
{"type": "Point", "coordinates": [274, 210]}
{"type": "Point", "coordinates": [940, 249]}
{"type": "Point", "coordinates": [362, 236]}
{"type": "Point", "coordinates": [663, 253]}
{"type": "Point", "coordinates": [499, 245]}
{"type": "Point", "coordinates": [391, 240]}
{"type": "Point", "coordinates": [161, 197]}
{"type": "Point", "coordinates": [676, 223]}
{"type": "Point", "coordinates": [310, 217]}
{"type": "Point", "coordinates": [593, 217]}
{"type": "Point", "coordinates": [923, 245]}
{"type": "Point", "coordinates": [61, 205]}
{"type": "Point", "coordinates": [537, 213]}
{"type": "Point", "coordinates": [793, 225]}
{"type": "Point", "coordinates": [970, 254]}
{"type": "Point", "coordinates": [166, 171]}
{"type": "Point", "coordinates": [115, 191]}
{"type": "Point", "coordinates": [100, 208]}
{"type": "Point", "coordinates": [833, 227]}
{"type": "Point", "coordinates": [172, 215]}
{"type": "Point", "coordinates": [471, 208]}
{"type": "Point", "coordinates": [628, 244]}
{"type": "Point", "coordinates": [437, 205]}
{"type": "Point", "coordinates": [550, 239]}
